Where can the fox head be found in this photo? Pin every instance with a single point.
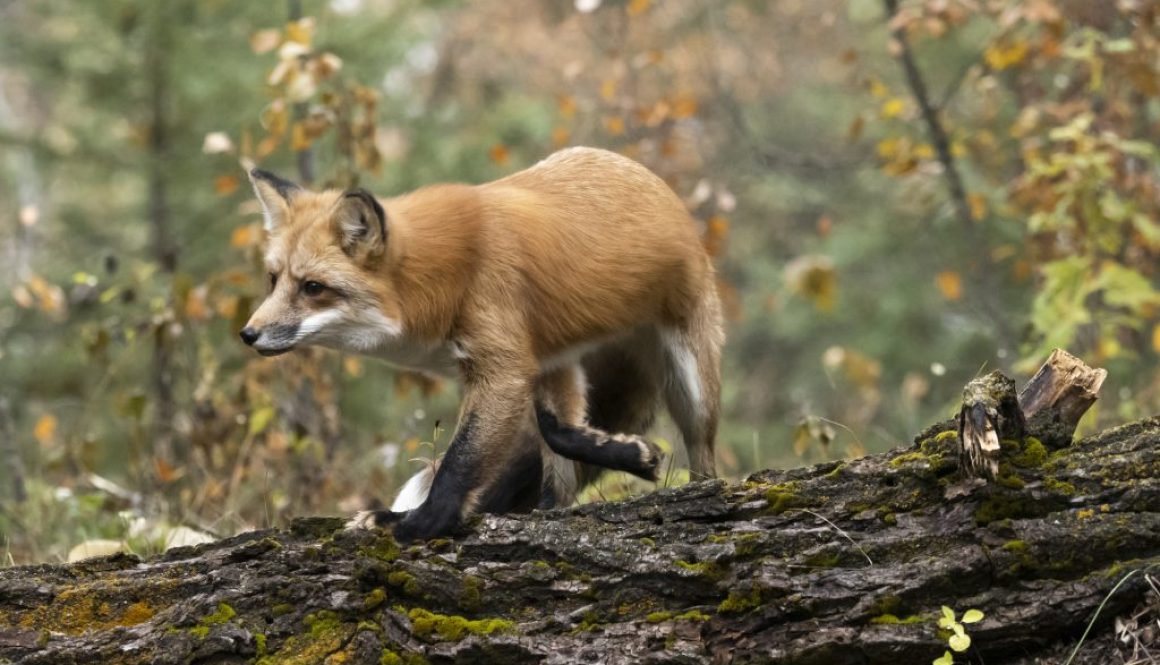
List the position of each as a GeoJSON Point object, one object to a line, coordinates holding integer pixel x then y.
{"type": "Point", "coordinates": [325, 268]}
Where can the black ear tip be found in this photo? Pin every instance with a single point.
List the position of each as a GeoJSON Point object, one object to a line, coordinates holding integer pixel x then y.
{"type": "Point", "coordinates": [259, 174]}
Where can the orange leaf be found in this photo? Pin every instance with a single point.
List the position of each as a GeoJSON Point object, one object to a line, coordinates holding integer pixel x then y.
{"type": "Point", "coordinates": [352, 365]}
{"type": "Point", "coordinates": [684, 107]}
{"type": "Point", "coordinates": [614, 125]}
{"type": "Point", "coordinates": [560, 136]}
{"type": "Point", "coordinates": [950, 284]}
{"type": "Point", "coordinates": [45, 428]}
{"type": "Point", "coordinates": [638, 7]}
{"type": "Point", "coordinates": [225, 185]}
{"type": "Point", "coordinates": [243, 236]}
{"type": "Point", "coordinates": [165, 472]}
{"type": "Point", "coordinates": [499, 154]}
{"type": "Point", "coordinates": [567, 105]}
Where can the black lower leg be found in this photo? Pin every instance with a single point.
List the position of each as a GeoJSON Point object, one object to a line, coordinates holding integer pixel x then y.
{"type": "Point", "coordinates": [626, 452]}
{"type": "Point", "coordinates": [458, 474]}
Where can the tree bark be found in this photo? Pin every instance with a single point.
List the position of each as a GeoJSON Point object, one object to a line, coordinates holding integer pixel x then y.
{"type": "Point", "coordinates": [843, 562]}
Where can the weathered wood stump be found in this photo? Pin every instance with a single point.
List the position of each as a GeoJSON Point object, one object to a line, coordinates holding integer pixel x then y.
{"type": "Point", "coordinates": [843, 562]}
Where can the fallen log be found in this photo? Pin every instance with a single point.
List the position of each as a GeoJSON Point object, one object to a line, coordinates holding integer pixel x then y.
{"type": "Point", "coordinates": [843, 562]}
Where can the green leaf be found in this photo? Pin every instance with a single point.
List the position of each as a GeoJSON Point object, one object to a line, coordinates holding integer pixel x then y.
{"type": "Point", "coordinates": [945, 659]}
{"type": "Point", "coordinates": [960, 642]}
{"type": "Point", "coordinates": [972, 616]}
{"type": "Point", "coordinates": [260, 420]}
{"type": "Point", "coordinates": [948, 613]}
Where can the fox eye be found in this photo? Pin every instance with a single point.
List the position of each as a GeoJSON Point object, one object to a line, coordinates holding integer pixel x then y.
{"type": "Point", "coordinates": [312, 288]}
{"type": "Point", "coordinates": [273, 281]}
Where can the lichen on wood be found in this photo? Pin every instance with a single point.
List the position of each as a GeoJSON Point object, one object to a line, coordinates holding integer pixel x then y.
{"type": "Point", "coordinates": [797, 566]}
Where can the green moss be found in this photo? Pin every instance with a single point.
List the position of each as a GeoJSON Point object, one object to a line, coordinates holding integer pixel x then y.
{"type": "Point", "coordinates": [823, 559]}
{"type": "Point", "coordinates": [945, 437]}
{"type": "Point", "coordinates": [323, 641]}
{"type": "Point", "coordinates": [999, 507]}
{"type": "Point", "coordinates": [889, 518]}
{"type": "Point", "coordinates": [888, 604]}
{"type": "Point", "coordinates": [389, 657]}
{"type": "Point", "coordinates": [1032, 454]}
{"type": "Point", "coordinates": [374, 599]}
{"type": "Point", "coordinates": [322, 622]}
{"type": "Point", "coordinates": [281, 609]}
{"type": "Point", "coordinates": [657, 617]}
{"type": "Point", "coordinates": [650, 542]}
{"type": "Point", "coordinates": [259, 645]}
{"type": "Point", "coordinates": [1010, 481]}
{"type": "Point", "coordinates": [384, 548]}
{"type": "Point", "coordinates": [471, 593]}
{"type": "Point", "coordinates": [782, 497]}
{"type": "Point", "coordinates": [836, 472]}
{"type": "Point", "coordinates": [1015, 546]}
{"type": "Point", "coordinates": [693, 615]}
{"type": "Point", "coordinates": [455, 628]}
{"type": "Point", "coordinates": [404, 580]}
{"type": "Point", "coordinates": [1060, 486]}
{"type": "Point", "coordinates": [737, 603]}
{"type": "Point", "coordinates": [890, 619]}
{"type": "Point", "coordinates": [907, 458]}
{"type": "Point", "coordinates": [223, 614]}
{"type": "Point", "coordinates": [708, 569]}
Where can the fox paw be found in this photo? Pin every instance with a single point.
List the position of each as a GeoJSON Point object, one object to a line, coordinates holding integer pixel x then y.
{"type": "Point", "coordinates": [372, 519]}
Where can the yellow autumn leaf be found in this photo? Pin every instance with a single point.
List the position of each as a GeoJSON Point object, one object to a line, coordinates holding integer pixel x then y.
{"type": "Point", "coordinates": [1156, 338]}
{"type": "Point", "coordinates": [300, 31]}
{"type": "Point", "coordinates": [1003, 56]}
{"type": "Point", "coordinates": [892, 108]}
{"type": "Point", "coordinates": [978, 206]}
{"type": "Point", "coordinates": [45, 428]}
{"type": "Point", "coordinates": [352, 366]}
{"type": "Point", "coordinates": [614, 125]}
{"type": "Point", "coordinates": [923, 151]}
{"type": "Point", "coordinates": [608, 90]}
{"type": "Point", "coordinates": [950, 284]}
{"type": "Point", "coordinates": [638, 7]}
{"type": "Point", "coordinates": [299, 141]}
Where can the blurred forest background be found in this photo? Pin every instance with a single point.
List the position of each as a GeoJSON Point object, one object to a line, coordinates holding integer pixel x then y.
{"type": "Point", "coordinates": [899, 195]}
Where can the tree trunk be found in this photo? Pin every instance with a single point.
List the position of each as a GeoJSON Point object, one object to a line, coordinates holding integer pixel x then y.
{"type": "Point", "coordinates": [844, 562]}
{"type": "Point", "coordinates": [162, 246]}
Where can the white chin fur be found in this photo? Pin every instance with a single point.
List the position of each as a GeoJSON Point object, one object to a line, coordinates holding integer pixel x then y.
{"type": "Point", "coordinates": [414, 492]}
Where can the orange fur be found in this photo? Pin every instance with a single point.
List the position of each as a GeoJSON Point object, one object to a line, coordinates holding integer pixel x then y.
{"type": "Point", "coordinates": [511, 282]}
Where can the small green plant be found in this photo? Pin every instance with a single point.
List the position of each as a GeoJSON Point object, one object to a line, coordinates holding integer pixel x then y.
{"type": "Point", "coordinates": [958, 640]}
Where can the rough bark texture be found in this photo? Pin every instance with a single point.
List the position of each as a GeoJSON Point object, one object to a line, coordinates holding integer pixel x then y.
{"type": "Point", "coordinates": [844, 562]}
{"type": "Point", "coordinates": [1058, 395]}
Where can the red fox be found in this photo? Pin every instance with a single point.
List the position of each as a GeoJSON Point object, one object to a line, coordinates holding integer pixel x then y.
{"type": "Point", "coordinates": [570, 299]}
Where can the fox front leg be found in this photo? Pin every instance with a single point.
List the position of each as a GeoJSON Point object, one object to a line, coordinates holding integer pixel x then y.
{"type": "Point", "coordinates": [473, 472]}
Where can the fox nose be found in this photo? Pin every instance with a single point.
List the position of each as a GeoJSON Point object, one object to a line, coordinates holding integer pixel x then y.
{"type": "Point", "coordinates": [249, 335]}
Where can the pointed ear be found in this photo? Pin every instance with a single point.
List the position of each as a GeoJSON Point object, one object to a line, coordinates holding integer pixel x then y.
{"type": "Point", "coordinates": [274, 194]}
{"type": "Point", "coordinates": [360, 222]}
